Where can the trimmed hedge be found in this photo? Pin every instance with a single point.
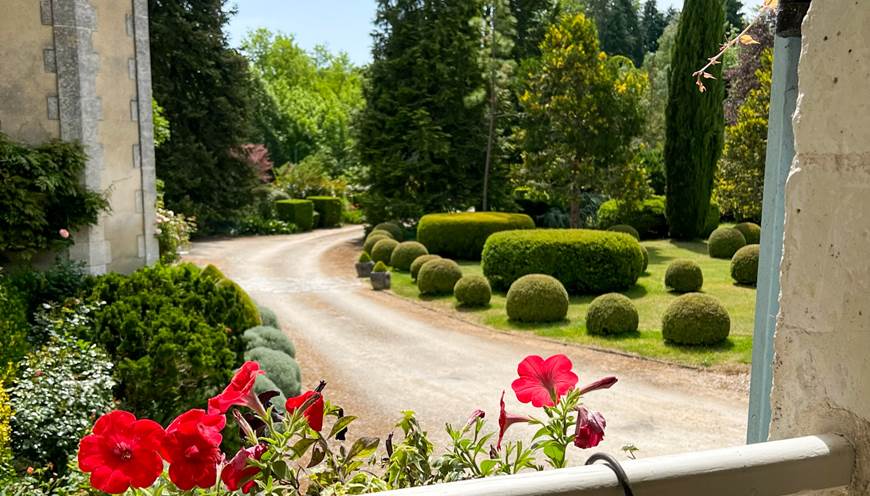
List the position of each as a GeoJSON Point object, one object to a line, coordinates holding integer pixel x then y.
{"type": "Point", "coordinates": [438, 276]}
{"type": "Point", "coordinates": [744, 265]}
{"type": "Point", "coordinates": [280, 368]}
{"type": "Point", "coordinates": [684, 276]}
{"type": "Point", "coordinates": [626, 229]}
{"type": "Point", "coordinates": [392, 228]}
{"type": "Point", "coordinates": [645, 259]}
{"type": "Point", "coordinates": [405, 253]}
{"type": "Point", "coordinates": [381, 232]}
{"type": "Point", "coordinates": [612, 313]}
{"type": "Point", "coordinates": [473, 291]}
{"type": "Point", "coordinates": [418, 263]}
{"type": "Point", "coordinates": [463, 235]}
{"type": "Point", "coordinates": [268, 337]}
{"type": "Point", "coordinates": [537, 298]}
{"type": "Point", "coordinates": [383, 250]}
{"type": "Point", "coordinates": [297, 212]}
{"type": "Point", "coordinates": [584, 261]}
{"type": "Point", "coordinates": [268, 317]}
{"type": "Point", "coordinates": [213, 273]}
{"type": "Point", "coordinates": [648, 218]}
{"type": "Point", "coordinates": [329, 208]}
{"type": "Point", "coordinates": [750, 231]}
{"type": "Point", "coordinates": [724, 242]}
{"type": "Point", "coordinates": [695, 319]}
{"type": "Point", "coordinates": [371, 241]}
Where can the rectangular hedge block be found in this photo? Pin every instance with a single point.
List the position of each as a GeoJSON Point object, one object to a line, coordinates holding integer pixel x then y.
{"type": "Point", "coordinates": [298, 212]}
{"type": "Point", "coordinates": [329, 208]}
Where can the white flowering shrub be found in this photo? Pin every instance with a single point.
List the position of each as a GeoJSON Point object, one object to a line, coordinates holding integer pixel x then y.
{"type": "Point", "coordinates": [173, 230]}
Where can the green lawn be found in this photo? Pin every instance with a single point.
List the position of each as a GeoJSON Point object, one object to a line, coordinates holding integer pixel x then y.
{"type": "Point", "coordinates": [651, 299]}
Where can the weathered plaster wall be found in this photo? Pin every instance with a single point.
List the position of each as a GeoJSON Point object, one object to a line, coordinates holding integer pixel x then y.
{"type": "Point", "coordinates": [822, 343]}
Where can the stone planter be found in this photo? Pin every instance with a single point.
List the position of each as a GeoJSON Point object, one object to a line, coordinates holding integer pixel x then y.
{"type": "Point", "coordinates": [364, 269]}
{"type": "Point", "coordinates": [380, 280]}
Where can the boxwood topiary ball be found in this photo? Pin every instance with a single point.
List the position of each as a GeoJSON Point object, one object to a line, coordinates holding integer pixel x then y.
{"type": "Point", "coordinates": [724, 242]}
{"type": "Point", "coordinates": [268, 316]}
{"type": "Point", "coordinates": [438, 276]}
{"type": "Point", "coordinates": [684, 276]}
{"type": "Point", "coordinates": [473, 291]}
{"type": "Point", "coordinates": [381, 232]}
{"type": "Point", "coordinates": [405, 254]}
{"type": "Point", "coordinates": [383, 250]}
{"type": "Point", "coordinates": [744, 265]}
{"type": "Point", "coordinates": [750, 231]}
{"type": "Point", "coordinates": [371, 241]}
{"type": "Point", "coordinates": [268, 337]}
{"type": "Point", "coordinates": [537, 298]}
{"type": "Point", "coordinates": [418, 263]}
{"type": "Point", "coordinates": [625, 228]}
{"type": "Point", "coordinates": [611, 313]}
{"type": "Point", "coordinates": [645, 259]}
{"type": "Point", "coordinates": [280, 368]}
{"type": "Point", "coordinates": [392, 228]}
{"type": "Point", "coordinates": [694, 319]}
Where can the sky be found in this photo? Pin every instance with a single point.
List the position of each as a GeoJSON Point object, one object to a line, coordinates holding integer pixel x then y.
{"type": "Point", "coordinates": [341, 25]}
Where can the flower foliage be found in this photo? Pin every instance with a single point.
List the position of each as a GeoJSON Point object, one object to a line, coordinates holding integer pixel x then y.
{"type": "Point", "coordinates": [173, 230]}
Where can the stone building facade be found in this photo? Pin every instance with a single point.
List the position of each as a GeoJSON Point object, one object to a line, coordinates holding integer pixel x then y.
{"type": "Point", "coordinates": [79, 70]}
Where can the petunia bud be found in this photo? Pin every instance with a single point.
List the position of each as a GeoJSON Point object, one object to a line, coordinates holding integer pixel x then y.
{"type": "Point", "coordinates": [477, 414]}
{"type": "Point", "coordinates": [603, 383]}
{"type": "Point", "coordinates": [590, 429]}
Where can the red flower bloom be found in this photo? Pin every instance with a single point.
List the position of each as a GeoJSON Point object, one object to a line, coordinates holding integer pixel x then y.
{"type": "Point", "coordinates": [240, 391]}
{"type": "Point", "coordinates": [122, 452]}
{"type": "Point", "coordinates": [603, 383]}
{"type": "Point", "coordinates": [506, 420]}
{"type": "Point", "coordinates": [192, 448]}
{"type": "Point", "coordinates": [63, 233]}
{"type": "Point", "coordinates": [590, 428]}
{"type": "Point", "coordinates": [543, 382]}
{"type": "Point", "coordinates": [313, 412]}
{"type": "Point", "coordinates": [238, 473]}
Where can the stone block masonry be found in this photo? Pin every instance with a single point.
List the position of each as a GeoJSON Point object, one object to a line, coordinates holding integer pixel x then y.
{"type": "Point", "coordinates": [79, 70]}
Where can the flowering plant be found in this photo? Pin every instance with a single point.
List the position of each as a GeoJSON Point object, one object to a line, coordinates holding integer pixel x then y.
{"type": "Point", "coordinates": [292, 451]}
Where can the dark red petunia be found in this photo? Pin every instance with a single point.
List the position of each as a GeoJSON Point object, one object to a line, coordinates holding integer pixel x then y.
{"type": "Point", "coordinates": [122, 452]}
{"type": "Point", "coordinates": [239, 392]}
{"type": "Point", "coordinates": [192, 448]}
{"type": "Point", "coordinates": [477, 414]}
{"type": "Point", "coordinates": [506, 420]}
{"type": "Point", "coordinates": [543, 382]}
{"type": "Point", "coordinates": [238, 472]}
{"type": "Point", "coordinates": [603, 383]}
{"type": "Point", "coordinates": [313, 413]}
{"type": "Point", "coordinates": [590, 428]}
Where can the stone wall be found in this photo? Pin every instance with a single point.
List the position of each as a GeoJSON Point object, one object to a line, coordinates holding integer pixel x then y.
{"type": "Point", "coordinates": [79, 70]}
{"type": "Point", "coordinates": [822, 342]}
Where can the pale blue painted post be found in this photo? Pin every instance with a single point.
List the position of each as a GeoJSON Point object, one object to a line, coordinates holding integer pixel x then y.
{"type": "Point", "coordinates": [780, 152]}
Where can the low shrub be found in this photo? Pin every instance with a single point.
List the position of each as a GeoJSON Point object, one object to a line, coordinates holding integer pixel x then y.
{"type": "Point", "coordinates": [268, 337]}
{"type": "Point", "coordinates": [750, 231]}
{"type": "Point", "coordinates": [463, 235]}
{"type": "Point", "coordinates": [213, 273]}
{"type": "Point", "coordinates": [380, 267]}
{"type": "Point", "coordinates": [280, 368]}
{"type": "Point", "coordinates": [13, 326]}
{"type": "Point", "coordinates": [695, 319]}
{"type": "Point", "coordinates": [298, 212]}
{"type": "Point", "coordinates": [268, 317]}
{"type": "Point", "coordinates": [383, 250]}
{"type": "Point", "coordinates": [381, 232]}
{"type": "Point", "coordinates": [371, 241]}
{"type": "Point", "coordinates": [63, 279]}
{"type": "Point", "coordinates": [258, 226]}
{"type": "Point", "coordinates": [364, 258]}
{"type": "Point", "coordinates": [473, 291]}
{"type": "Point", "coordinates": [684, 276]}
{"type": "Point", "coordinates": [645, 259]}
{"type": "Point", "coordinates": [744, 265]}
{"type": "Point", "coordinates": [625, 228]}
{"type": "Point", "coordinates": [405, 254]}
{"type": "Point", "coordinates": [537, 298]}
{"type": "Point", "coordinates": [392, 228]}
{"type": "Point", "coordinates": [724, 242]}
{"type": "Point", "coordinates": [5, 430]}
{"type": "Point", "coordinates": [648, 218]}
{"type": "Point", "coordinates": [329, 208]}
{"type": "Point", "coordinates": [612, 313]}
{"type": "Point", "coordinates": [418, 263]}
{"type": "Point", "coordinates": [438, 276]}
{"type": "Point", "coordinates": [585, 261]}
{"type": "Point", "coordinates": [714, 216]}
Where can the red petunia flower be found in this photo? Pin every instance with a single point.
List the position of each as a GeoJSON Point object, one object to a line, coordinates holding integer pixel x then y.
{"type": "Point", "coordinates": [506, 420]}
{"type": "Point", "coordinates": [314, 412]}
{"type": "Point", "coordinates": [122, 452]}
{"type": "Point", "coordinates": [192, 448]}
{"type": "Point", "coordinates": [590, 428]}
{"type": "Point", "coordinates": [238, 472]}
{"type": "Point", "coordinates": [543, 382]}
{"type": "Point", "coordinates": [239, 392]}
{"type": "Point", "coordinates": [477, 414]}
{"type": "Point", "coordinates": [603, 383]}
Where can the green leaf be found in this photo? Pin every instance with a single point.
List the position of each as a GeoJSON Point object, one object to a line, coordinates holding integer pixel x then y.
{"type": "Point", "coordinates": [363, 447]}
{"type": "Point", "coordinates": [340, 425]}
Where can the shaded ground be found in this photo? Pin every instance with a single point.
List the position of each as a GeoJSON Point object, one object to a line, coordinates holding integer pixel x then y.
{"type": "Point", "coordinates": [382, 354]}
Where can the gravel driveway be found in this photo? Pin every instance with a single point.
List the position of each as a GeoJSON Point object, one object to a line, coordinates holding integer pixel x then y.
{"type": "Point", "coordinates": [382, 354]}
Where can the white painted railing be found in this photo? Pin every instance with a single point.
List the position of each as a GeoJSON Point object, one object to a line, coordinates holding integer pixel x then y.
{"type": "Point", "coordinates": [766, 469]}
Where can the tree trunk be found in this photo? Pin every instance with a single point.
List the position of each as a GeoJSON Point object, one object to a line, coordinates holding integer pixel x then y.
{"type": "Point", "coordinates": [493, 101]}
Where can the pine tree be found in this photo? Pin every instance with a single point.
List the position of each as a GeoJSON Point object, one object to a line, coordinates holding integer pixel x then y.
{"type": "Point", "coordinates": [694, 120]}
{"type": "Point", "coordinates": [533, 17]}
{"type": "Point", "coordinates": [618, 27]}
{"type": "Point", "coordinates": [652, 25]}
{"type": "Point", "coordinates": [733, 16]}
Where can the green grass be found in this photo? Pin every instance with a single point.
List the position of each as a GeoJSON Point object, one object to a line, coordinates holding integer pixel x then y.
{"type": "Point", "coordinates": [651, 299]}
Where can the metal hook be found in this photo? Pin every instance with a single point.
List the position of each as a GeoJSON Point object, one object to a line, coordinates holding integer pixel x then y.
{"type": "Point", "coordinates": [614, 465]}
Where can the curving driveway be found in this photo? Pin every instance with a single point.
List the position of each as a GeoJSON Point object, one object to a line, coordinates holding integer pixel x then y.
{"type": "Point", "coordinates": [382, 354]}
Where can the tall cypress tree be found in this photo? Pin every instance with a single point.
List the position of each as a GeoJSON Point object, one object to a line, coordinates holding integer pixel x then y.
{"type": "Point", "coordinates": [652, 25]}
{"type": "Point", "coordinates": [694, 120]}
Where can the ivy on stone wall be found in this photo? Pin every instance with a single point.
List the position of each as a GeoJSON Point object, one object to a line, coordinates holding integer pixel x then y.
{"type": "Point", "coordinates": [42, 197]}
